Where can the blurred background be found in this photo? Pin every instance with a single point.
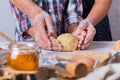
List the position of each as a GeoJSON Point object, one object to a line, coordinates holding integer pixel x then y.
{"type": "Point", "coordinates": [7, 23]}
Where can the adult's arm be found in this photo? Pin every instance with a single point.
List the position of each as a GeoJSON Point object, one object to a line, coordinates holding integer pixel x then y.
{"type": "Point", "coordinates": [40, 18]}
{"type": "Point", "coordinates": [99, 11]}
{"type": "Point", "coordinates": [28, 7]}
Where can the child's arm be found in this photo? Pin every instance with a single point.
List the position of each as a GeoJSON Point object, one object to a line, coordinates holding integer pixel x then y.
{"type": "Point", "coordinates": [97, 13]}
{"type": "Point", "coordinates": [73, 14]}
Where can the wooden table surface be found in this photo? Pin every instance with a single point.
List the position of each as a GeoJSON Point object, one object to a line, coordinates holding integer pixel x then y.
{"type": "Point", "coordinates": [101, 46]}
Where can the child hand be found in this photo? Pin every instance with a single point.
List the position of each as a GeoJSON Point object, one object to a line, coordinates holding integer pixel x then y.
{"type": "Point", "coordinates": [85, 33]}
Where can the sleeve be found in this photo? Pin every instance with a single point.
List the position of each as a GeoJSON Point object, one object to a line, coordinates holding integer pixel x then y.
{"type": "Point", "coordinates": [22, 23]}
{"type": "Point", "coordinates": [73, 12]}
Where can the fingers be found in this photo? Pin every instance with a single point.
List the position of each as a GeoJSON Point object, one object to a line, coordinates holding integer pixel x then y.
{"type": "Point", "coordinates": [89, 37]}
{"type": "Point", "coordinates": [82, 26]}
{"type": "Point", "coordinates": [83, 46]}
{"type": "Point", "coordinates": [90, 34]}
{"type": "Point", "coordinates": [43, 44]}
{"type": "Point", "coordinates": [85, 32]}
{"type": "Point", "coordinates": [55, 44]}
{"type": "Point", "coordinates": [49, 24]}
{"type": "Point", "coordinates": [41, 37]}
{"type": "Point", "coordinates": [80, 32]}
{"type": "Point", "coordinates": [41, 34]}
{"type": "Point", "coordinates": [81, 38]}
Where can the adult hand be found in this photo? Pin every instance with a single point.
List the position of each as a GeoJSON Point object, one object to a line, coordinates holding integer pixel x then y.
{"type": "Point", "coordinates": [55, 45]}
{"type": "Point", "coordinates": [42, 29]}
{"type": "Point", "coordinates": [85, 33]}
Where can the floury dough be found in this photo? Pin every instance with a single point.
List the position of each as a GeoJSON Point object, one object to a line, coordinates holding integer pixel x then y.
{"type": "Point", "coordinates": [68, 42]}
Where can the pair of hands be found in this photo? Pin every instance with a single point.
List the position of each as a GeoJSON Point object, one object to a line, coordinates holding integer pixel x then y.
{"type": "Point", "coordinates": [85, 32]}
{"type": "Point", "coordinates": [45, 34]}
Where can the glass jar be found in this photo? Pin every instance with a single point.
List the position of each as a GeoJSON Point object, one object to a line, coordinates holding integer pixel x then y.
{"type": "Point", "coordinates": [23, 57]}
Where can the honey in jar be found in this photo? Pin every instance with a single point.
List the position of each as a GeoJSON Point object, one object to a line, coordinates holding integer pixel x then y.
{"type": "Point", "coordinates": [23, 57]}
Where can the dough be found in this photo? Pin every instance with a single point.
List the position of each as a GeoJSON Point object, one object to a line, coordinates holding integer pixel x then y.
{"type": "Point", "coordinates": [68, 42]}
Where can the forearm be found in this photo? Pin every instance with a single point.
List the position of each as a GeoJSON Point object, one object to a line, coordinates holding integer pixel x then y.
{"type": "Point", "coordinates": [99, 10]}
{"type": "Point", "coordinates": [27, 7]}
{"type": "Point", "coordinates": [73, 16]}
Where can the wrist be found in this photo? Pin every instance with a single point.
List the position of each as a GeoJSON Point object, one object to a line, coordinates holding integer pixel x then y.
{"type": "Point", "coordinates": [38, 17]}
{"type": "Point", "coordinates": [90, 24]}
{"type": "Point", "coordinates": [88, 21]}
{"type": "Point", "coordinates": [92, 21]}
{"type": "Point", "coordinates": [35, 11]}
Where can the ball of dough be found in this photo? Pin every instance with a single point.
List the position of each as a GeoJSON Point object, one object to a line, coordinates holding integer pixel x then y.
{"type": "Point", "coordinates": [68, 42]}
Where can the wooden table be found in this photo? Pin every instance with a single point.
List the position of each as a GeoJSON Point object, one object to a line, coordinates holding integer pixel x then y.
{"type": "Point", "coordinates": [102, 46]}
